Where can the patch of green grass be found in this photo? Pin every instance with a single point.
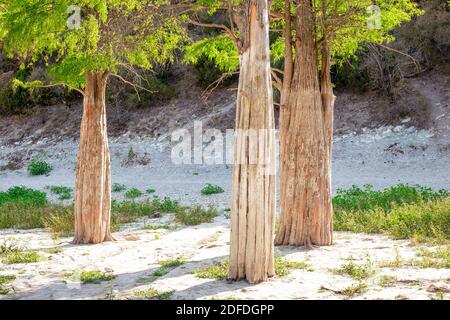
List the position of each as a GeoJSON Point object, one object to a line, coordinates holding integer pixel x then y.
{"type": "Point", "coordinates": [152, 293]}
{"type": "Point", "coordinates": [22, 257]}
{"type": "Point", "coordinates": [160, 272]}
{"type": "Point", "coordinates": [23, 195]}
{"type": "Point", "coordinates": [282, 266]}
{"type": "Point", "coordinates": [150, 190]}
{"type": "Point", "coordinates": [211, 189]}
{"type": "Point", "coordinates": [118, 187]}
{"type": "Point", "coordinates": [426, 220]}
{"type": "Point", "coordinates": [354, 289]}
{"type": "Point", "coordinates": [387, 281]}
{"type": "Point", "coordinates": [172, 263]}
{"type": "Point", "coordinates": [5, 279]}
{"type": "Point", "coordinates": [158, 227]}
{"type": "Point", "coordinates": [53, 250]}
{"type": "Point", "coordinates": [366, 198]}
{"type": "Point", "coordinates": [167, 265]}
{"type": "Point", "coordinates": [219, 270]}
{"type": "Point", "coordinates": [357, 272]}
{"type": "Point", "coordinates": [95, 276]}
{"type": "Point", "coordinates": [38, 168]}
{"type": "Point", "coordinates": [167, 205]}
{"type": "Point", "coordinates": [133, 193]}
{"type": "Point", "coordinates": [196, 215]}
{"type": "Point", "coordinates": [64, 193]}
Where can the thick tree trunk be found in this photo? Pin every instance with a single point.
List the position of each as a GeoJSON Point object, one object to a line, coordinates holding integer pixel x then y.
{"type": "Point", "coordinates": [92, 186]}
{"type": "Point", "coordinates": [305, 204]}
{"type": "Point", "coordinates": [253, 208]}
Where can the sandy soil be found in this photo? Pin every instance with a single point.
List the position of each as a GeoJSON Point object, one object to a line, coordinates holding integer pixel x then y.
{"type": "Point", "coordinates": [134, 257]}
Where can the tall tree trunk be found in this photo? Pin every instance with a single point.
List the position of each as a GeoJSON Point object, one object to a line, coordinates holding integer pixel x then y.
{"type": "Point", "coordinates": [92, 186]}
{"type": "Point", "coordinates": [305, 204]}
{"type": "Point", "coordinates": [253, 208]}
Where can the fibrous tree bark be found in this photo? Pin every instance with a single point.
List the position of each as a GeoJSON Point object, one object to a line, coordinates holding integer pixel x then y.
{"type": "Point", "coordinates": [92, 186]}
{"type": "Point", "coordinates": [253, 207]}
{"type": "Point", "coordinates": [307, 100]}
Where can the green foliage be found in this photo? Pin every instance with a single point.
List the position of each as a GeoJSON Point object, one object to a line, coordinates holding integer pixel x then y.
{"type": "Point", "coordinates": [151, 293]}
{"type": "Point", "coordinates": [13, 100]}
{"type": "Point", "coordinates": [196, 215]}
{"type": "Point", "coordinates": [211, 189]}
{"type": "Point", "coordinates": [218, 49]}
{"type": "Point", "coordinates": [423, 220]}
{"type": "Point", "coordinates": [5, 279]}
{"type": "Point", "coordinates": [167, 205]}
{"type": "Point", "coordinates": [22, 257]}
{"type": "Point", "coordinates": [208, 72]}
{"type": "Point", "coordinates": [64, 193]}
{"type": "Point", "coordinates": [117, 187]}
{"type": "Point", "coordinates": [387, 281]}
{"type": "Point", "coordinates": [142, 34]}
{"type": "Point", "coordinates": [38, 168]}
{"type": "Point", "coordinates": [150, 190]}
{"type": "Point", "coordinates": [217, 271]}
{"type": "Point", "coordinates": [95, 276]}
{"type": "Point", "coordinates": [133, 193]}
{"type": "Point", "coordinates": [357, 272]}
{"type": "Point", "coordinates": [172, 263]}
{"type": "Point", "coordinates": [23, 195]}
{"type": "Point", "coordinates": [366, 198]}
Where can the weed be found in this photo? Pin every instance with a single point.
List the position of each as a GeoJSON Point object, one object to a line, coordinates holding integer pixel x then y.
{"type": "Point", "coordinates": [172, 263]}
{"type": "Point", "coordinates": [160, 272]}
{"type": "Point", "coordinates": [38, 168]}
{"type": "Point", "coordinates": [150, 190]}
{"type": "Point", "coordinates": [354, 289]}
{"type": "Point", "coordinates": [5, 280]}
{"type": "Point", "coordinates": [366, 198]}
{"type": "Point", "coordinates": [387, 281]}
{"type": "Point", "coordinates": [95, 276]}
{"type": "Point", "coordinates": [53, 250]}
{"type": "Point", "coordinates": [22, 257]}
{"type": "Point", "coordinates": [357, 272]}
{"type": "Point", "coordinates": [211, 189]}
{"type": "Point", "coordinates": [151, 293]}
{"type": "Point", "coordinates": [217, 271]}
{"type": "Point", "coordinates": [117, 187]}
{"type": "Point", "coordinates": [196, 215]}
{"type": "Point", "coordinates": [64, 193]}
{"type": "Point", "coordinates": [133, 193]}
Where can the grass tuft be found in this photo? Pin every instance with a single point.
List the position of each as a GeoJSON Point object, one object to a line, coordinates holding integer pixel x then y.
{"type": "Point", "coordinates": [38, 168]}
{"type": "Point", "coordinates": [211, 189]}
{"type": "Point", "coordinates": [22, 257]}
{"type": "Point", "coordinates": [196, 215]}
{"type": "Point", "coordinates": [152, 293]}
{"type": "Point", "coordinates": [95, 276]}
{"type": "Point", "coordinates": [118, 187]}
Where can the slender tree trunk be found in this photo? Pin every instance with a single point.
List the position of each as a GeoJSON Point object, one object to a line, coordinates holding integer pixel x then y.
{"type": "Point", "coordinates": [92, 186]}
{"type": "Point", "coordinates": [305, 204]}
{"type": "Point", "coordinates": [253, 208]}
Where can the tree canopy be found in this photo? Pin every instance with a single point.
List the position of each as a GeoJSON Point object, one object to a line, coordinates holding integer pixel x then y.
{"type": "Point", "coordinates": [348, 24]}
{"type": "Point", "coordinates": [111, 34]}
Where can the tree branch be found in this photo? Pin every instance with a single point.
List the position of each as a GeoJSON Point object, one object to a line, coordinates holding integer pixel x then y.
{"type": "Point", "coordinates": [218, 26]}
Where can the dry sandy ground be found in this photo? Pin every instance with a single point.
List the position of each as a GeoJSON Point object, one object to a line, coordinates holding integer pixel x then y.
{"type": "Point", "coordinates": [135, 255]}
